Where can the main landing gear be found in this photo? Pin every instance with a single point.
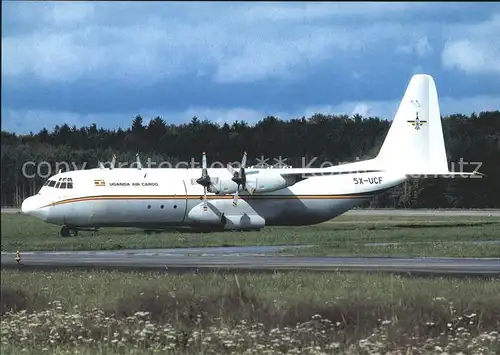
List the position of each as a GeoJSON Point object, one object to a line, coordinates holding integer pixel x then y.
{"type": "Point", "coordinates": [66, 231]}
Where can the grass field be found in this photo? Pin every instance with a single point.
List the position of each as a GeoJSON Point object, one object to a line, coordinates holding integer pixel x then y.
{"type": "Point", "coordinates": [295, 312]}
{"type": "Point", "coordinates": [83, 312]}
{"type": "Point", "coordinates": [345, 235]}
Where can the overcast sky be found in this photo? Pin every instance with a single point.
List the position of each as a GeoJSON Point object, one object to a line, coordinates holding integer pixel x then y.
{"type": "Point", "coordinates": [106, 62]}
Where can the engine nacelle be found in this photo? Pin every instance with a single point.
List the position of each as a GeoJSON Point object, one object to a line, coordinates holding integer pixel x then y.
{"type": "Point", "coordinates": [205, 215]}
{"type": "Point", "coordinates": [223, 187]}
{"type": "Point", "coordinates": [267, 182]}
{"type": "Point", "coordinates": [208, 217]}
{"type": "Point", "coordinates": [259, 182]}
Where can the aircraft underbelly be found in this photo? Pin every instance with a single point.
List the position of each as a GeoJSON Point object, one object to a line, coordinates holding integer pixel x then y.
{"type": "Point", "coordinates": [306, 211]}
{"type": "Point", "coordinates": [318, 199]}
{"type": "Point", "coordinates": [273, 211]}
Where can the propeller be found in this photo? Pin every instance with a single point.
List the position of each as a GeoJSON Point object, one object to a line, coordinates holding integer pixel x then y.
{"type": "Point", "coordinates": [239, 177]}
{"type": "Point", "coordinates": [204, 180]}
{"type": "Point", "coordinates": [138, 160]}
{"type": "Point", "coordinates": [112, 164]}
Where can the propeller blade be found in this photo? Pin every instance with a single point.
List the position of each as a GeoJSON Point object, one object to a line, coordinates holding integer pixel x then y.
{"type": "Point", "coordinates": [205, 180]}
{"type": "Point", "coordinates": [250, 188]}
{"type": "Point", "coordinates": [231, 169]}
{"type": "Point", "coordinates": [244, 160]}
{"type": "Point", "coordinates": [235, 199]}
{"type": "Point", "coordinates": [138, 160]}
{"type": "Point", "coordinates": [204, 161]}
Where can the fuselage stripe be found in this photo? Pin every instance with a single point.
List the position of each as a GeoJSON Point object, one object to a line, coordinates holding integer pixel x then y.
{"type": "Point", "coordinates": [213, 197]}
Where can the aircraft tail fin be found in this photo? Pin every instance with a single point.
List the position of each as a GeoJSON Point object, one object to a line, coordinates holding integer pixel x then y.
{"type": "Point", "coordinates": [414, 144]}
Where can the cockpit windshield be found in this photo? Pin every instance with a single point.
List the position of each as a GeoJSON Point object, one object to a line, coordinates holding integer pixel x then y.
{"type": "Point", "coordinates": [62, 183]}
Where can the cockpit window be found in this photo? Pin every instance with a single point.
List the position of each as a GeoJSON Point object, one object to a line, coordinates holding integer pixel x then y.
{"type": "Point", "coordinates": [61, 183]}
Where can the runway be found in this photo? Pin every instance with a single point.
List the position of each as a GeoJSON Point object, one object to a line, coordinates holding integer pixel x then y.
{"type": "Point", "coordinates": [245, 258]}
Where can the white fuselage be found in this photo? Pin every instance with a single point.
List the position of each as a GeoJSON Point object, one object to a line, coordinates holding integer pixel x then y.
{"type": "Point", "coordinates": [156, 198]}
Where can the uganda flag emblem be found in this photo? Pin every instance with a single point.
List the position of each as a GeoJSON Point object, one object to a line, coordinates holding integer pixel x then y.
{"type": "Point", "coordinates": [99, 183]}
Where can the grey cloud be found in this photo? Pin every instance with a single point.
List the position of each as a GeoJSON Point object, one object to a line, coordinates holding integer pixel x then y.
{"type": "Point", "coordinates": [155, 41]}
{"type": "Point", "coordinates": [473, 48]}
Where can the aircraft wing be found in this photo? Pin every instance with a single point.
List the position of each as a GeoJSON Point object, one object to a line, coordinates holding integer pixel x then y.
{"type": "Point", "coordinates": [367, 166]}
{"type": "Point", "coordinates": [309, 172]}
{"type": "Point", "coordinates": [304, 173]}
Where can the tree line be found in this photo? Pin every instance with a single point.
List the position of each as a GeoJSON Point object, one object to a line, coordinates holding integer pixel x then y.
{"type": "Point", "coordinates": [472, 141]}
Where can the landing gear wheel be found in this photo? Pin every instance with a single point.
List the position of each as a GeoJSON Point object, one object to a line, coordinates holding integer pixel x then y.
{"type": "Point", "coordinates": [65, 231]}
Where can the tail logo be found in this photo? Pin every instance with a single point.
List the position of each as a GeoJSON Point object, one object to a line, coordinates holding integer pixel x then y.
{"type": "Point", "coordinates": [417, 122]}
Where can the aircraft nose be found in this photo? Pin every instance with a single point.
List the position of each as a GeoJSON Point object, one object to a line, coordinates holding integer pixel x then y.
{"type": "Point", "coordinates": [31, 207]}
{"type": "Point", "coordinates": [27, 206]}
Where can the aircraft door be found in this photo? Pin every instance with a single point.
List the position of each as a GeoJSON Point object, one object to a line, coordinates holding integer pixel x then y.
{"type": "Point", "coordinates": [172, 202]}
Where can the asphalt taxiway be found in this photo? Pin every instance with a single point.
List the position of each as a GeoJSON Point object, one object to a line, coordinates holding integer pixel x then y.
{"type": "Point", "coordinates": [244, 258]}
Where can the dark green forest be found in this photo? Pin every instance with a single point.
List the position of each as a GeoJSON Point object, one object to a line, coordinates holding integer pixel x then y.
{"type": "Point", "coordinates": [302, 141]}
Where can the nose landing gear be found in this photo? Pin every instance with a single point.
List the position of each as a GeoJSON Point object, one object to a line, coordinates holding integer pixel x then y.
{"type": "Point", "coordinates": [66, 231]}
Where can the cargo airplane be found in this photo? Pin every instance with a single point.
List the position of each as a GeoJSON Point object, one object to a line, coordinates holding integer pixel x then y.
{"type": "Point", "coordinates": [248, 198]}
